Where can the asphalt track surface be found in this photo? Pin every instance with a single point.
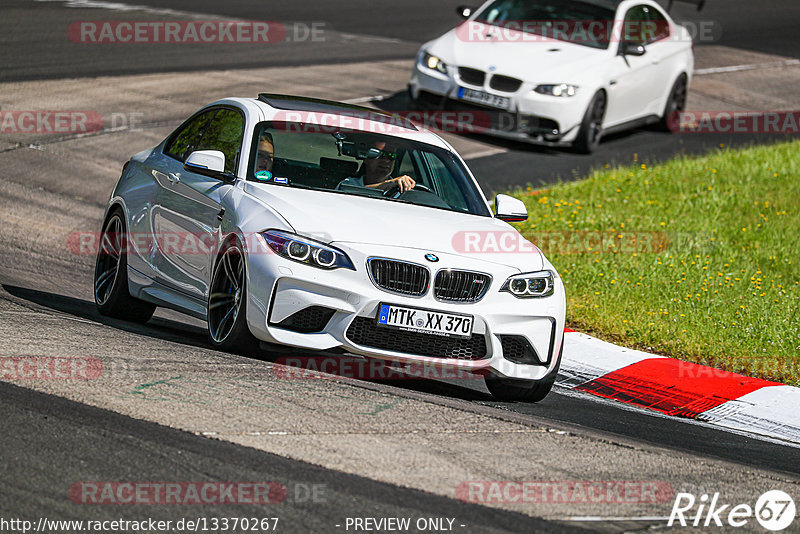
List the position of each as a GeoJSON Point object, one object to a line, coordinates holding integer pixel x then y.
{"type": "Point", "coordinates": [561, 405]}
{"type": "Point", "coordinates": [35, 44]}
{"type": "Point", "coordinates": [54, 438]}
{"type": "Point", "coordinates": [40, 453]}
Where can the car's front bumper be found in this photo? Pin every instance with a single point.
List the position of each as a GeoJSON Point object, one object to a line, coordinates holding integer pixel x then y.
{"type": "Point", "coordinates": [531, 117]}
{"type": "Point", "coordinates": [280, 288]}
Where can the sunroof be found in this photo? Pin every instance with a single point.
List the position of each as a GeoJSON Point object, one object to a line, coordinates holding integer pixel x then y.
{"type": "Point", "coordinates": [302, 103]}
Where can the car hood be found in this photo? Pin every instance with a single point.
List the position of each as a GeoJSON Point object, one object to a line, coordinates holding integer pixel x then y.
{"type": "Point", "coordinates": [538, 61]}
{"type": "Point", "coordinates": [335, 217]}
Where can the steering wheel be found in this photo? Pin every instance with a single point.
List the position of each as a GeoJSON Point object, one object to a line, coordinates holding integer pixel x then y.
{"type": "Point", "coordinates": [394, 191]}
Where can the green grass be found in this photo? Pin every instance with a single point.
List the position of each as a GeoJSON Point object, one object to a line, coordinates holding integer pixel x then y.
{"type": "Point", "coordinates": [707, 265]}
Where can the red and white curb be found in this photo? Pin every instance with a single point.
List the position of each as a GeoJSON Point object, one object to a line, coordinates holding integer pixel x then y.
{"type": "Point", "coordinates": [680, 389]}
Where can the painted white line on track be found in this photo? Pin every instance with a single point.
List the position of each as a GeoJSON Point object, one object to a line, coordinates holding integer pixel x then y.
{"type": "Point", "coordinates": [120, 6]}
{"type": "Point", "coordinates": [751, 66]}
{"type": "Point", "coordinates": [485, 153]}
{"type": "Point", "coordinates": [365, 99]}
{"type": "Point", "coordinates": [362, 38]}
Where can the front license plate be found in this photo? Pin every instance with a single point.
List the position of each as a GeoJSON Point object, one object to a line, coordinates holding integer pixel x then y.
{"type": "Point", "coordinates": [481, 97]}
{"type": "Point", "coordinates": [425, 321]}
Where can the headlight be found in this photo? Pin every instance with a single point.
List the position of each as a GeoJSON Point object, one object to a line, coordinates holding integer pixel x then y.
{"type": "Point", "coordinates": [433, 62]}
{"type": "Point", "coordinates": [530, 285]}
{"type": "Point", "coordinates": [305, 250]}
{"type": "Point", "coordinates": [560, 89]}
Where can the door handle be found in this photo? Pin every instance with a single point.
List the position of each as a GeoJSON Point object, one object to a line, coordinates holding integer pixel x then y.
{"type": "Point", "coordinates": [221, 214]}
{"type": "Point", "coordinates": [173, 178]}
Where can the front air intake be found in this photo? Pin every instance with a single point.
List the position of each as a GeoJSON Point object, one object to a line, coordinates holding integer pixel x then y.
{"type": "Point", "coordinates": [308, 320]}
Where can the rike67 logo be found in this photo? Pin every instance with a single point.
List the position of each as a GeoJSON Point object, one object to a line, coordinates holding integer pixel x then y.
{"type": "Point", "coordinates": [774, 510]}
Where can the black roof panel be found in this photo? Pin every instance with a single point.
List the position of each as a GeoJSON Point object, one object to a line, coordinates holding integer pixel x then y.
{"type": "Point", "coordinates": [318, 105]}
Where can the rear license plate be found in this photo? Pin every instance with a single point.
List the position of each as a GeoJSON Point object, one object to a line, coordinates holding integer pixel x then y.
{"type": "Point", "coordinates": [481, 97]}
{"type": "Point", "coordinates": [425, 321]}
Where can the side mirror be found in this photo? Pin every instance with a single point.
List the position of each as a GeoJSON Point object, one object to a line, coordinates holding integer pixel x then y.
{"type": "Point", "coordinates": [465, 11]}
{"type": "Point", "coordinates": [627, 48]}
{"type": "Point", "coordinates": [208, 163]}
{"type": "Point", "coordinates": [510, 209]}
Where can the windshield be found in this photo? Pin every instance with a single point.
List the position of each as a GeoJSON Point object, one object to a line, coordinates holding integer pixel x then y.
{"type": "Point", "coordinates": [360, 163]}
{"type": "Point", "coordinates": [578, 22]}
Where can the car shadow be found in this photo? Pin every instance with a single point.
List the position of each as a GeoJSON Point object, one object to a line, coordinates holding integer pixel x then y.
{"type": "Point", "coordinates": [157, 327]}
{"type": "Point", "coordinates": [191, 335]}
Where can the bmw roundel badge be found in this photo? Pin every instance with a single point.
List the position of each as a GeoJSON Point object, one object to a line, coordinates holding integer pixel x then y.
{"type": "Point", "coordinates": [431, 257]}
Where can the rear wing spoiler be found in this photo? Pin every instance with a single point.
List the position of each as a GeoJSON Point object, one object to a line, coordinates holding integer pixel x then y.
{"type": "Point", "coordinates": [699, 3]}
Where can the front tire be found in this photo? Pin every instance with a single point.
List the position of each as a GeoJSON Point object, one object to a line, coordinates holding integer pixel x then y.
{"type": "Point", "coordinates": [676, 103]}
{"type": "Point", "coordinates": [592, 125]}
{"type": "Point", "coordinates": [516, 390]}
{"type": "Point", "coordinates": [413, 104]}
{"type": "Point", "coordinates": [111, 294]}
{"type": "Point", "coordinates": [227, 306]}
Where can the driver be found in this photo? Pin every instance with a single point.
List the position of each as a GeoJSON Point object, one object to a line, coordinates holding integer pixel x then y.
{"type": "Point", "coordinates": [375, 172]}
{"type": "Point", "coordinates": [266, 153]}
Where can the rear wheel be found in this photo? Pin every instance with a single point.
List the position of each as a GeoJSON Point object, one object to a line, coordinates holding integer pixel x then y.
{"type": "Point", "coordinates": [592, 125]}
{"type": "Point", "coordinates": [512, 389]}
{"type": "Point", "coordinates": [111, 294]}
{"type": "Point", "coordinates": [227, 307]}
{"type": "Point", "coordinates": [676, 103]}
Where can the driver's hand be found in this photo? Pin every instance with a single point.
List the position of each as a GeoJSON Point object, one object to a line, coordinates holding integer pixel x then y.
{"type": "Point", "coordinates": [405, 183]}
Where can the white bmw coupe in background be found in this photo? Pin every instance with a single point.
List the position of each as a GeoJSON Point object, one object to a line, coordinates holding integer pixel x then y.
{"type": "Point", "coordinates": [265, 218]}
{"type": "Point", "coordinates": [559, 71]}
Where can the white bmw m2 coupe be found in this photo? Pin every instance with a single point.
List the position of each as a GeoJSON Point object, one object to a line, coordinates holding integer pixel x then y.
{"type": "Point", "coordinates": [289, 221]}
{"type": "Point", "coordinates": [559, 72]}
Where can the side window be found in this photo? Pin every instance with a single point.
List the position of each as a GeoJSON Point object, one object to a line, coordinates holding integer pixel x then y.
{"type": "Point", "coordinates": [184, 141]}
{"type": "Point", "coordinates": [406, 166]}
{"type": "Point", "coordinates": [659, 25]}
{"type": "Point", "coordinates": [635, 25]}
{"type": "Point", "coordinates": [224, 133]}
{"type": "Point", "coordinates": [443, 183]}
{"type": "Point", "coordinates": [644, 25]}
